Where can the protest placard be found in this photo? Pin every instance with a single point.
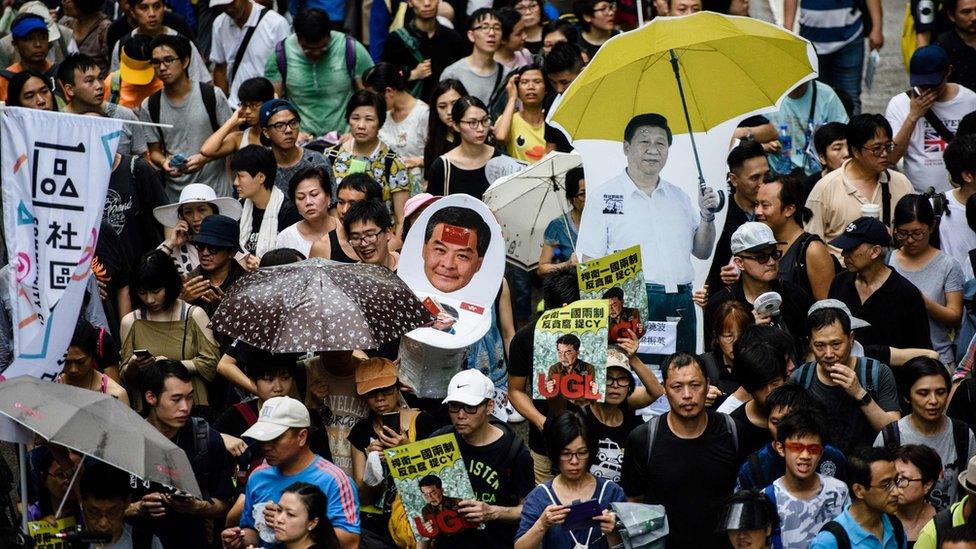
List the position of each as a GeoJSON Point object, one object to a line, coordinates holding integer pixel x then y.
{"type": "Point", "coordinates": [570, 352]}
{"type": "Point", "coordinates": [453, 259]}
{"type": "Point", "coordinates": [56, 168]}
{"type": "Point", "coordinates": [618, 278]}
{"type": "Point", "coordinates": [431, 479]}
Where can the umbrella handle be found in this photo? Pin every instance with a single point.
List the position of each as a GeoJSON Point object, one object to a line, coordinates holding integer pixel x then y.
{"type": "Point", "coordinates": [691, 135]}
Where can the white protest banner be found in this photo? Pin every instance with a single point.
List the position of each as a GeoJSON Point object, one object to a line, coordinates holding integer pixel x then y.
{"type": "Point", "coordinates": [55, 171]}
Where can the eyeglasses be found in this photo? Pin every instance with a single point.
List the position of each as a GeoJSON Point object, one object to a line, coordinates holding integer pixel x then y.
{"type": "Point", "coordinates": [568, 456]}
{"type": "Point", "coordinates": [455, 407]}
{"type": "Point", "coordinates": [581, 194]}
{"type": "Point", "coordinates": [164, 61]}
{"type": "Point", "coordinates": [618, 381]}
{"type": "Point", "coordinates": [913, 235]}
{"type": "Point", "coordinates": [882, 150]}
{"type": "Point", "coordinates": [799, 447]}
{"type": "Point", "coordinates": [475, 123]}
{"type": "Point", "coordinates": [526, 6]}
{"type": "Point", "coordinates": [486, 28]}
{"type": "Point", "coordinates": [764, 258]}
{"type": "Point", "coordinates": [364, 239]}
{"type": "Point", "coordinates": [891, 484]}
{"type": "Point", "coordinates": [911, 480]}
{"type": "Point", "coordinates": [611, 7]}
{"type": "Point", "coordinates": [280, 126]}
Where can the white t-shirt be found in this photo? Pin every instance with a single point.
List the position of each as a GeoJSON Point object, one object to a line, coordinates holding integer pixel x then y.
{"type": "Point", "coordinates": [801, 519]}
{"type": "Point", "coordinates": [227, 38]}
{"type": "Point", "coordinates": [923, 159]}
{"type": "Point", "coordinates": [292, 238]}
{"type": "Point", "coordinates": [955, 235]}
{"type": "Point", "coordinates": [408, 136]}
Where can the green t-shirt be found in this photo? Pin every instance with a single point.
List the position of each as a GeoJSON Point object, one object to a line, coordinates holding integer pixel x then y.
{"type": "Point", "coordinates": [320, 89]}
{"type": "Point", "coordinates": [926, 537]}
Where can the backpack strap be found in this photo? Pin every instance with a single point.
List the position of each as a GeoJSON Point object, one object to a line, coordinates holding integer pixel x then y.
{"type": "Point", "coordinates": [154, 108]}
{"type": "Point", "coordinates": [7, 74]}
{"type": "Point", "coordinates": [755, 466]}
{"type": "Point", "coordinates": [281, 60]}
{"type": "Point", "coordinates": [733, 430]}
{"type": "Point", "coordinates": [937, 124]}
{"type": "Point", "coordinates": [209, 94]}
{"type": "Point", "coordinates": [243, 45]}
{"type": "Point", "coordinates": [885, 181]}
{"type": "Point", "coordinates": [201, 434]}
{"type": "Point", "coordinates": [835, 529]}
{"type": "Point", "coordinates": [775, 538]}
{"type": "Point", "coordinates": [499, 72]}
{"type": "Point", "coordinates": [388, 167]}
{"type": "Point", "coordinates": [898, 529]}
{"type": "Point", "coordinates": [652, 427]}
{"type": "Point", "coordinates": [351, 61]}
{"type": "Point", "coordinates": [891, 435]}
{"type": "Point", "coordinates": [867, 373]}
{"type": "Point", "coordinates": [247, 414]}
{"type": "Point", "coordinates": [943, 523]}
{"type": "Point", "coordinates": [549, 493]}
{"type": "Point", "coordinates": [960, 438]}
{"type": "Point", "coordinates": [807, 371]}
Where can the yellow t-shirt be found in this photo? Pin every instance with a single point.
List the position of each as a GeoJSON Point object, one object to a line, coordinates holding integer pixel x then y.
{"type": "Point", "coordinates": [526, 142]}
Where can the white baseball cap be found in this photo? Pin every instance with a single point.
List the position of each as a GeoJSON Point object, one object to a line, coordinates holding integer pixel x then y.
{"type": "Point", "coordinates": [277, 416]}
{"type": "Point", "coordinates": [838, 304]}
{"type": "Point", "coordinates": [470, 387]}
{"type": "Point", "coordinates": [752, 236]}
{"type": "Point", "coordinates": [169, 216]}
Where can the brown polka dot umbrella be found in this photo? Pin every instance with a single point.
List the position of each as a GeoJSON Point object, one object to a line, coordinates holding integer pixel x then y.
{"type": "Point", "coordinates": [319, 305]}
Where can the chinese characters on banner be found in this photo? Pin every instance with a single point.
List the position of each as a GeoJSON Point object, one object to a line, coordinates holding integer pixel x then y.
{"type": "Point", "coordinates": [619, 278]}
{"type": "Point", "coordinates": [431, 479]}
{"type": "Point", "coordinates": [570, 352]}
{"type": "Point", "coordinates": [56, 169]}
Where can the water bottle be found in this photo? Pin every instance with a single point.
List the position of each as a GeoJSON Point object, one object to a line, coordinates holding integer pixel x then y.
{"type": "Point", "coordinates": [785, 141]}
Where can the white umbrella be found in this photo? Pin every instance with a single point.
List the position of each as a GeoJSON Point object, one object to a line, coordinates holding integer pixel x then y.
{"type": "Point", "coordinates": [525, 202]}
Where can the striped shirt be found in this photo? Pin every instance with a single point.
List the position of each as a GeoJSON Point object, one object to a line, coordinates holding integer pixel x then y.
{"type": "Point", "coordinates": [830, 24]}
{"type": "Point", "coordinates": [266, 484]}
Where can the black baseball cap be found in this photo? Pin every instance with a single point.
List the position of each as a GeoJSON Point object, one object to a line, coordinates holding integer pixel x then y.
{"type": "Point", "coordinates": [864, 230]}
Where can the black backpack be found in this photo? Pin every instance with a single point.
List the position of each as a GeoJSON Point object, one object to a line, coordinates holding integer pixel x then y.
{"type": "Point", "coordinates": [891, 435]}
{"type": "Point", "coordinates": [844, 541]}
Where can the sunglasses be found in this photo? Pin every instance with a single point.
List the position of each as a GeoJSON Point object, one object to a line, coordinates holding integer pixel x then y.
{"type": "Point", "coordinates": [455, 407]}
{"type": "Point", "coordinates": [763, 258]}
{"type": "Point", "coordinates": [211, 248]}
{"type": "Point", "coordinates": [799, 447]}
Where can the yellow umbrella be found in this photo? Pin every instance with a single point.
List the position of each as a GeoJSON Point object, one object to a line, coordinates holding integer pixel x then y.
{"type": "Point", "coordinates": [698, 71]}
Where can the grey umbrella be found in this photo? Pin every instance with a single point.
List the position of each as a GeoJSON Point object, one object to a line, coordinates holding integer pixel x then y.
{"type": "Point", "coordinates": [97, 425]}
{"type": "Point", "coordinates": [319, 305]}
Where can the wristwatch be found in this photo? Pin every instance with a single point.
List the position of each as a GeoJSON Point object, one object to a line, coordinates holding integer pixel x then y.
{"type": "Point", "coordinates": [865, 400]}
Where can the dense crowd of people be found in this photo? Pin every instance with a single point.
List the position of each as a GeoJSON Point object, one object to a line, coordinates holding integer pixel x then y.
{"type": "Point", "coordinates": [836, 413]}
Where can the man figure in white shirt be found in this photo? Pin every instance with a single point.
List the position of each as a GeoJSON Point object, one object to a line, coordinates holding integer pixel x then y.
{"type": "Point", "coordinates": [246, 24]}
{"type": "Point", "coordinates": [926, 117]}
{"type": "Point", "coordinates": [638, 207]}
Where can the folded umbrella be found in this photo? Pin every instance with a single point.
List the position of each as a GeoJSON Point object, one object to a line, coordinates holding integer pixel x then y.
{"type": "Point", "coordinates": [525, 202]}
{"type": "Point", "coordinates": [319, 305]}
{"type": "Point", "coordinates": [97, 425]}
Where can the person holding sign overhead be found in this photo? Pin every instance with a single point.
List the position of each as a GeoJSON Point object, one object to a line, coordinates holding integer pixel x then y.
{"type": "Point", "coordinates": [638, 207]}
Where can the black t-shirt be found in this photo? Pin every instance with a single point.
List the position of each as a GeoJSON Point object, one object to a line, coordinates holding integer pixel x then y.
{"type": "Point", "coordinates": [111, 267]}
{"type": "Point", "coordinates": [793, 312]}
{"type": "Point", "coordinates": [213, 470]}
{"type": "Point", "coordinates": [497, 479]}
{"type": "Point", "coordinates": [520, 353]}
{"type": "Point", "coordinates": [361, 434]}
{"type": "Point", "coordinates": [472, 182]}
{"type": "Point", "coordinates": [134, 189]}
{"type": "Point", "coordinates": [120, 28]}
{"type": "Point", "coordinates": [734, 218]}
{"type": "Point", "coordinates": [751, 438]}
{"type": "Point", "coordinates": [288, 215]}
{"type": "Point", "coordinates": [909, 328]}
{"type": "Point", "coordinates": [443, 49]}
{"type": "Point", "coordinates": [690, 477]}
{"type": "Point", "coordinates": [606, 444]}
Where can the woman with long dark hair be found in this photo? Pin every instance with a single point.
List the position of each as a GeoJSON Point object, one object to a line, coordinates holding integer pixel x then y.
{"type": "Point", "coordinates": [441, 136]}
{"type": "Point", "coordinates": [935, 273]}
{"type": "Point", "coordinates": [31, 90]}
{"type": "Point", "coordinates": [301, 521]}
